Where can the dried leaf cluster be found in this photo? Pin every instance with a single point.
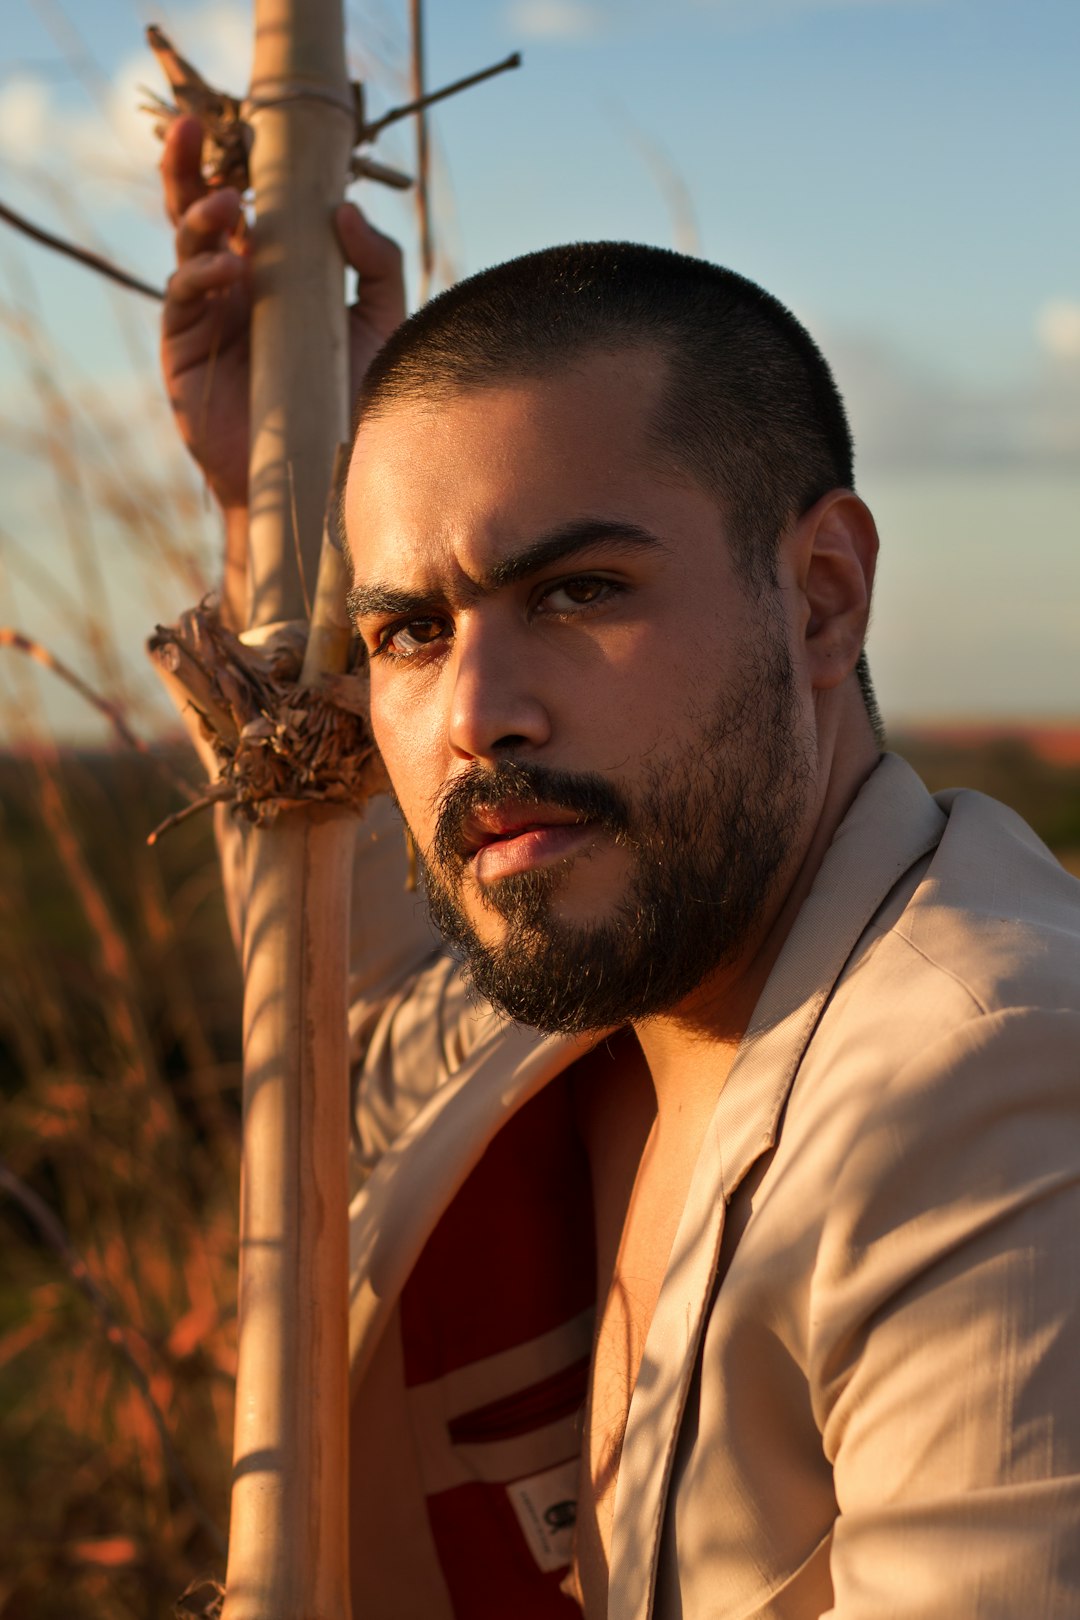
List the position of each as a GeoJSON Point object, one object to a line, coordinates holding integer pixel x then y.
{"type": "Point", "coordinates": [226, 136]}
{"type": "Point", "coordinates": [278, 745]}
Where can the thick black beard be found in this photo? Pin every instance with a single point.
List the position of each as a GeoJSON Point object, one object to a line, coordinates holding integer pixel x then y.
{"type": "Point", "coordinates": [709, 837]}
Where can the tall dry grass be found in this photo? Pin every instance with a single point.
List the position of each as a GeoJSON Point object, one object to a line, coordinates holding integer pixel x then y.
{"type": "Point", "coordinates": [118, 1023]}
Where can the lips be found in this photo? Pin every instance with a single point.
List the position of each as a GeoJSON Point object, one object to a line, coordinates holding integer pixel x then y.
{"type": "Point", "coordinates": [488, 824]}
{"type": "Point", "coordinates": [517, 817]}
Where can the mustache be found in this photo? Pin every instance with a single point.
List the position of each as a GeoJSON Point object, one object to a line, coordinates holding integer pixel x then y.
{"type": "Point", "coordinates": [585, 793]}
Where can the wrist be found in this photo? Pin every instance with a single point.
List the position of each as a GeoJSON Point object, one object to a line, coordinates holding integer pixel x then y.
{"type": "Point", "coordinates": [234, 576]}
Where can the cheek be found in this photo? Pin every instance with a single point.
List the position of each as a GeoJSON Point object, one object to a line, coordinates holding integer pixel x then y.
{"type": "Point", "coordinates": [638, 692]}
{"type": "Point", "coordinates": [408, 743]}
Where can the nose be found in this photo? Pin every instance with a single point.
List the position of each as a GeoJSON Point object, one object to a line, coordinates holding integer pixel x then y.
{"type": "Point", "coordinates": [494, 704]}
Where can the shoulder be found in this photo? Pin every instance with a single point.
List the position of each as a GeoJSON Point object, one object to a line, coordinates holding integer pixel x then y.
{"type": "Point", "coordinates": [988, 923]}
{"type": "Point", "coordinates": [997, 910]}
{"type": "Point", "coordinates": [939, 1098]}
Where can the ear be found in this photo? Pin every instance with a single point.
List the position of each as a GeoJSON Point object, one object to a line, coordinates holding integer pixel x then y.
{"type": "Point", "coordinates": [833, 553]}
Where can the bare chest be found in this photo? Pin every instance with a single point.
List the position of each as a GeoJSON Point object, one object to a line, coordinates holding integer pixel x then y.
{"type": "Point", "coordinates": [640, 1177]}
{"type": "Point", "coordinates": [623, 1325]}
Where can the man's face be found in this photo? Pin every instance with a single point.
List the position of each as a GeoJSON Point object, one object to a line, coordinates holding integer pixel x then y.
{"type": "Point", "coordinates": [593, 728]}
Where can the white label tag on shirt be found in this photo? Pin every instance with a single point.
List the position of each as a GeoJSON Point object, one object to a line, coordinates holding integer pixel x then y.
{"type": "Point", "coordinates": [546, 1508]}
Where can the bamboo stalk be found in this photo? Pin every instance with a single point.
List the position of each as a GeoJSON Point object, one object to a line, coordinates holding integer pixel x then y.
{"type": "Point", "coordinates": [299, 358]}
{"type": "Point", "coordinates": [288, 1553]}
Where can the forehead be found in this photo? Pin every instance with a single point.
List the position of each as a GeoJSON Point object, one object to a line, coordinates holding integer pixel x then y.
{"type": "Point", "coordinates": [457, 483]}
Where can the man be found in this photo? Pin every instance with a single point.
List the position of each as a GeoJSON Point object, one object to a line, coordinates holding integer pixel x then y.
{"type": "Point", "coordinates": [785, 1189]}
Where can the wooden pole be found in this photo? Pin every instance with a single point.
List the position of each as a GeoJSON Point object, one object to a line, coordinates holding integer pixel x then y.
{"type": "Point", "coordinates": [288, 1551]}
{"type": "Point", "coordinates": [301, 115]}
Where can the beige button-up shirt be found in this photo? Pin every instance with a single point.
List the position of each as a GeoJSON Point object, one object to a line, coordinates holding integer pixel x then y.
{"type": "Point", "coordinates": [860, 1394]}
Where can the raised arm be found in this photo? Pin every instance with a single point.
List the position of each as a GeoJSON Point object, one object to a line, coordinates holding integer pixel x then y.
{"type": "Point", "coordinates": [205, 356]}
{"type": "Point", "coordinates": [205, 349]}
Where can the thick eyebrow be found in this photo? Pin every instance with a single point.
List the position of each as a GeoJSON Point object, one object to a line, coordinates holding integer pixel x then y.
{"type": "Point", "coordinates": [370, 601]}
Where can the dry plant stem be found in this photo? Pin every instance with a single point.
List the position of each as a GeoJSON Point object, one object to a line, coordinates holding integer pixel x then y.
{"type": "Point", "coordinates": [288, 1546]}
{"type": "Point", "coordinates": [297, 552]}
{"type": "Point", "coordinates": [115, 964]}
{"type": "Point", "coordinates": [178, 817]}
{"type": "Point", "coordinates": [41, 655]}
{"type": "Point", "coordinates": [376, 127]}
{"type": "Point", "coordinates": [51, 1231]}
{"type": "Point", "coordinates": [93, 261]}
{"type": "Point", "coordinates": [330, 637]}
{"type": "Point", "coordinates": [34, 649]}
{"type": "Point", "coordinates": [423, 156]}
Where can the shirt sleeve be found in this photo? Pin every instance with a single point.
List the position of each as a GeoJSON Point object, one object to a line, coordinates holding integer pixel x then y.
{"type": "Point", "coordinates": [411, 1019]}
{"type": "Point", "coordinates": [947, 1334]}
{"type": "Point", "coordinates": [403, 987]}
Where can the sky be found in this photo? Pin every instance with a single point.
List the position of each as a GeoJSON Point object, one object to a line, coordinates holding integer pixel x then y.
{"type": "Point", "coordinates": [901, 173]}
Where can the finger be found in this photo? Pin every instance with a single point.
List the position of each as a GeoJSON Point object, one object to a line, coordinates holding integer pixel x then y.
{"type": "Point", "coordinates": [208, 224]}
{"type": "Point", "coordinates": [181, 167]}
{"type": "Point", "coordinates": [377, 260]}
{"type": "Point", "coordinates": [192, 282]}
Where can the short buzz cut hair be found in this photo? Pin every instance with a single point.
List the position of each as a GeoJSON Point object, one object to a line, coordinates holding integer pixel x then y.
{"type": "Point", "coordinates": [748, 408]}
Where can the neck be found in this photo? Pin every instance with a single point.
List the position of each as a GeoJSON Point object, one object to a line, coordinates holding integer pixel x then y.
{"type": "Point", "coordinates": [690, 1051]}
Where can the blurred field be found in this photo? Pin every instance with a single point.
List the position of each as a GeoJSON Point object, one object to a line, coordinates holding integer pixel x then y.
{"type": "Point", "coordinates": [119, 1021]}
{"type": "Point", "coordinates": [118, 1029]}
{"type": "Point", "coordinates": [1035, 769]}
{"type": "Point", "coordinates": [119, 1036]}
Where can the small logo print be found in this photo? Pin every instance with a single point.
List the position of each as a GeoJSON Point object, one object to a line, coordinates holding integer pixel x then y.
{"type": "Point", "coordinates": [561, 1516]}
{"type": "Point", "coordinates": [546, 1511]}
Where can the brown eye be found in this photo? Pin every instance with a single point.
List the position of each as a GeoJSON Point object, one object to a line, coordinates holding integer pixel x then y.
{"type": "Point", "coordinates": [421, 630]}
{"type": "Point", "coordinates": [406, 640]}
{"type": "Point", "coordinates": [568, 594]}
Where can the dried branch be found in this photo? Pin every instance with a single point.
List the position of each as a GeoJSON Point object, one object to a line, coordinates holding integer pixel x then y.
{"type": "Point", "coordinates": [227, 131]}
{"type": "Point", "coordinates": [41, 654]}
{"type": "Point", "coordinates": [51, 1231]}
{"type": "Point", "coordinates": [81, 255]}
{"type": "Point", "coordinates": [364, 167]}
{"type": "Point", "coordinates": [368, 132]}
{"type": "Point", "coordinates": [230, 139]}
{"type": "Point", "coordinates": [218, 794]}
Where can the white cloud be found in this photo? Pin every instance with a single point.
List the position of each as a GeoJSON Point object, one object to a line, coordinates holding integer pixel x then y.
{"type": "Point", "coordinates": [553, 19]}
{"type": "Point", "coordinates": [39, 131]}
{"type": "Point", "coordinates": [218, 39]}
{"type": "Point", "coordinates": [24, 117]}
{"type": "Point", "coordinates": [1058, 328]}
{"type": "Point", "coordinates": [904, 417]}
